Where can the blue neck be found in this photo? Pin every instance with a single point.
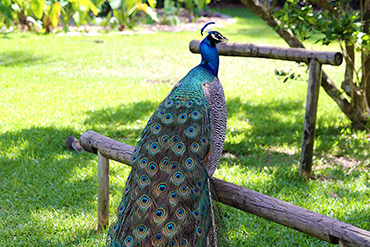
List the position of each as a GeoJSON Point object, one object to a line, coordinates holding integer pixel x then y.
{"type": "Point", "coordinates": [210, 59]}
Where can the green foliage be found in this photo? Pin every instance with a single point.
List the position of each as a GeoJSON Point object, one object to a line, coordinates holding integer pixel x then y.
{"type": "Point", "coordinates": [124, 12]}
{"type": "Point", "coordinates": [44, 15]}
{"type": "Point", "coordinates": [7, 14]}
{"type": "Point", "coordinates": [37, 7]}
{"type": "Point", "coordinates": [195, 5]}
{"type": "Point", "coordinates": [342, 24]}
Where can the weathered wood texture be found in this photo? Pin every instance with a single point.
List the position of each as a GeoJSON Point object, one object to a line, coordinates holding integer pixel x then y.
{"type": "Point", "coordinates": [314, 79]}
{"type": "Point", "coordinates": [103, 191]}
{"type": "Point", "coordinates": [314, 224]}
{"type": "Point", "coordinates": [90, 141]}
{"type": "Point", "coordinates": [273, 52]}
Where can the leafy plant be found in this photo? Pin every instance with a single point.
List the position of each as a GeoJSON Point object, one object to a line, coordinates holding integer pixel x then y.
{"type": "Point", "coordinates": [195, 5]}
{"type": "Point", "coordinates": [341, 25]}
{"type": "Point", "coordinates": [44, 15]}
{"type": "Point", "coordinates": [7, 14]}
{"type": "Point", "coordinates": [124, 11]}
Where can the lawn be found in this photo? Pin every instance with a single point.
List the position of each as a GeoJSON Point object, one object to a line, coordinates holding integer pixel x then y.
{"type": "Point", "coordinates": [55, 86]}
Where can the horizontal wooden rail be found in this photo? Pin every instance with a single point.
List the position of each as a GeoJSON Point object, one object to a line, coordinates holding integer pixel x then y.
{"type": "Point", "coordinates": [273, 52]}
{"type": "Point", "coordinates": [304, 220]}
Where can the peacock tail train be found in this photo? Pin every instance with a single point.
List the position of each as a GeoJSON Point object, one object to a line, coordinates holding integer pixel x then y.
{"type": "Point", "coordinates": [167, 200]}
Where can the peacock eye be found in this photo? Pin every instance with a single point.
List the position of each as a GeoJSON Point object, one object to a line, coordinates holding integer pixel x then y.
{"type": "Point", "coordinates": [159, 213]}
{"type": "Point", "coordinates": [162, 187]}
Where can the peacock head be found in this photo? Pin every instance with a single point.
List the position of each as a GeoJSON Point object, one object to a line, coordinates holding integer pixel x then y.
{"type": "Point", "coordinates": [213, 37]}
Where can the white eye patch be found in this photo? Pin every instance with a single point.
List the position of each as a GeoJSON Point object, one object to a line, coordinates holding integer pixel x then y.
{"type": "Point", "coordinates": [216, 36]}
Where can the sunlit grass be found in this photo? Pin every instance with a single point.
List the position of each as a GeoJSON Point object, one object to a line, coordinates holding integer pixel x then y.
{"type": "Point", "coordinates": [52, 87]}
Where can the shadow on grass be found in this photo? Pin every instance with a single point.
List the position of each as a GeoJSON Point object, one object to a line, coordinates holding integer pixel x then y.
{"type": "Point", "coordinates": [117, 122]}
{"type": "Point", "coordinates": [37, 167]}
{"type": "Point", "coordinates": [276, 123]}
{"type": "Point", "coordinates": [270, 137]}
{"type": "Point", "coordinates": [19, 58]}
{"type": "Point", "coordinates": [268, 126]}
{"type": "Point", "coordinates": [39, 174]}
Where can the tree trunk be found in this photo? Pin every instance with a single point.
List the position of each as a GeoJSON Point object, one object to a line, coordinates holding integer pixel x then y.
{"type": "Point", "coordinates": [366, 59]}
{"type": "Point", "coordinates": [349, 57]}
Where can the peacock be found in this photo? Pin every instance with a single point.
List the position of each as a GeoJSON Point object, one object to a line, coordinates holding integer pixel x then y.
{"type": "Point", "coordinates": [167, 200]}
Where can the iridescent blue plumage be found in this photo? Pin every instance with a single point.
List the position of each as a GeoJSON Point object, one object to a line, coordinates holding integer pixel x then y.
{"type": "Point", "coordinates": [167, 201]}
{"type": "Point", "coordinates": [210, 59]}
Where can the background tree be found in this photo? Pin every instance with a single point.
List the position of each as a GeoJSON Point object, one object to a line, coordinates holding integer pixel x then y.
{"type": "Point", "coordinates": [340, 21]}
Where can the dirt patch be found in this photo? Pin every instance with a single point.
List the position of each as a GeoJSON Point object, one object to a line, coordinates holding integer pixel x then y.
{"type": "Point", "coordinates": [335, 161]}
{"type": "Point", "coordinates": [187, 23]}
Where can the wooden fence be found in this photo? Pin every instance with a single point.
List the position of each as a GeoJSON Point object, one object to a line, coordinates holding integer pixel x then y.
{"type": "Point", "coordinates": [284, 213]}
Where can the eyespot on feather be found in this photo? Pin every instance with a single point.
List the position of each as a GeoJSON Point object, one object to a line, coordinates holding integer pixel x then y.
{"type": "Point", "coordinates": [169, 229]}
{"type": "Point", "coordinates": [179, 148]}
{"type": "Point", "coordinates": [182, 118]}
{"type": "Point", "coordinates": [144, 202]}
{"type": "Point", "coordinates": [144, 181]}
{"type": "Point", "coordinates": [129, 241]}
{"type": "Point", "coordinates": [141, 231]}
{"type": "Point", "coordinates": [152, 169]}
{"type": "Point", "coordinates": [189, 163]}
{"type": "Point", "coordinates": [200, 232]}
{"type": "Point", "coordinates": [172, 198]}
{"type": "Point", "coordinates": [154, 148]}
{"type": "Point", "coordinates": [177, 178]}
{"type": "Point", "coordinates": [180, 213]}
{"type": "Point", "coordinates": [159, 215]}
{"type": "Point", "coordinates": [167, 118]}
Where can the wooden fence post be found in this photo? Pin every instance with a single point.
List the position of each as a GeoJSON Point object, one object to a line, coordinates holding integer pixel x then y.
{"type": "Point", "coordinates": [314, 79]}
{"type": "Point", "coordinates": [103, 191]}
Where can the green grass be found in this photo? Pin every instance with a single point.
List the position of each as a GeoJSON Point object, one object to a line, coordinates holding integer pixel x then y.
{"type": "Point", "coordinates": [52, 87]}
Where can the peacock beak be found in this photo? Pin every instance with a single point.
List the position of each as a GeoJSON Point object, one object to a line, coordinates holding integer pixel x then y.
{"type": "Point", "coordinates": [223, 39]}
